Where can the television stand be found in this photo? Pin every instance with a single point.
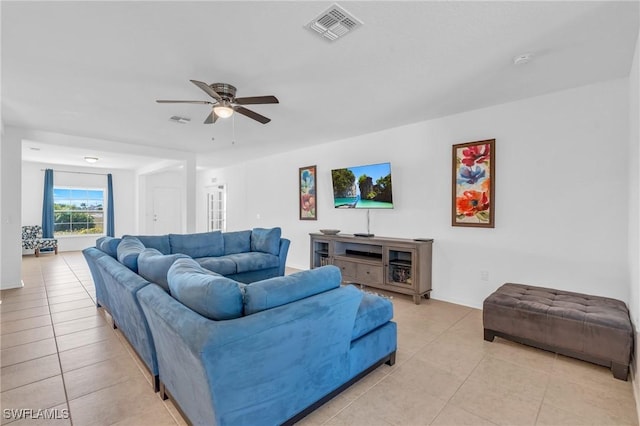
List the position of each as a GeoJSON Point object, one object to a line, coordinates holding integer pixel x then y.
{"type": "Point", "coordinates": [367, 234]}
{"type": "Point", "coordinates": [399, 265]}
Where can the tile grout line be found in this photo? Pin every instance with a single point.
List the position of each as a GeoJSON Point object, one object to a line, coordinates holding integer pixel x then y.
{"type": "Point", "coordinates": [55, 339]}
{"type": "Point", "coordinates": [121, 341]}
{"type": "Point", "coordinates": [546, 388]}
{"type": "Point", "coordinates": [57, 353]}
{"type": "Point", "coordinates": [484, 355]}
{"type": "Point", "coordinates": [392, 372]}
{"type": "Point", "coordinates": [79, 280]}
{"type": "Point", "coordinates": [3, 336]}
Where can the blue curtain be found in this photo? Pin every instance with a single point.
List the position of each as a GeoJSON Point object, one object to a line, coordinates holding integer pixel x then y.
{"type": "Point", "coordinates": [47, 205]}
{"type": "Point", "coordinates": [110, 224]}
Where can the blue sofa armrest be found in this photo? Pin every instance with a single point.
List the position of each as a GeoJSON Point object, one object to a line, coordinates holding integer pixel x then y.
{"type": "Point", "coordinates": [91, 255]}
{"type": "Point", "coordinates": [282, 255]}
{"type": "Point", "coordinates": [258, 369]}
{"type": "Point", "coordinates": [122, 286]}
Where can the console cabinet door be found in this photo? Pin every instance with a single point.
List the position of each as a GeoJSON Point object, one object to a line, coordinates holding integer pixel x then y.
{"type": "Point", "coordinates": [369, 274]}
{"type": "Point", "coordinates": [348, 269]}
{"type": "Point", "coordinates": [401, 267]}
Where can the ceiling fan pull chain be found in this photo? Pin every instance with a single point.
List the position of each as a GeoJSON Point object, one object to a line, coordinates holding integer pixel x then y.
{"type": "Point", "coordinates": [233, 129]}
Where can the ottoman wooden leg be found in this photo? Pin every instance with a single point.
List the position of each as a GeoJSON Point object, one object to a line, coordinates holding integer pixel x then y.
{"type": "Point", "coordinates": [488, 335]}
{"type": "Point", "coordinates": [620, 371]}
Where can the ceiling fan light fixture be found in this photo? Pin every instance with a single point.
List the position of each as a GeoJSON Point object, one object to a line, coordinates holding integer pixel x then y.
{"type": "Point", "coordinates": [223, 111]}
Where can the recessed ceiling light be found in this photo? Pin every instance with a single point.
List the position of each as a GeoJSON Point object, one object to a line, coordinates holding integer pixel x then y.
{"type": "Point", "coordinates": [525, 58]}
{"type": "Point", "coordinates": [91, 159]}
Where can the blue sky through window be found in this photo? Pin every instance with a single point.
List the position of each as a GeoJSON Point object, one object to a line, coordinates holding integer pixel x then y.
{"type": "Point", "coordinates": [85, 199]}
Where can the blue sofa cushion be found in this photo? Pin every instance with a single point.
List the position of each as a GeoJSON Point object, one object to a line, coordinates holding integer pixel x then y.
{"type": "Point", "coordinates": [205, 244]}
{"type": "Point", "coordinates": [373, 312]}
{"type": "Point", "coordinates": [209, 294]}
{"type": "Point", "coordinates": [279, 291]}
{"type": "Point", "coordinates": [128, 251]}
{"type": "Point", "coordinates": [237, 242]}
{"type": "Point", "coordinates": [153, 266]}
{"type": "Point", "coordinates": [109, 245]}
{"type": "Point", "coordinates": [253, 261]}
{"type": "Point", "coordinates": [222, 265]}
{"type": "Point", "coordinates": [266, 240]}
{"type": "Point", "coordinates": [158, 242]}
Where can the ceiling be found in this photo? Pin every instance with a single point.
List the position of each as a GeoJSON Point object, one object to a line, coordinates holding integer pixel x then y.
{"type": "Point", "coordinates": [39, 152]}
{"type": "Point", "coordinates": [94, 69]}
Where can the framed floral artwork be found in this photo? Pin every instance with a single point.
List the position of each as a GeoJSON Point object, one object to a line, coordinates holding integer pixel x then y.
{"type": "Point", "coordinates": [307, 193]}
{"type": "Point", "coordinates": [473, 198]}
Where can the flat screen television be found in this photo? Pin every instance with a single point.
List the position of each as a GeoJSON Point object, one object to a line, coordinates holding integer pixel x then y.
{"type": "Point", "coordinates": [363, 187]}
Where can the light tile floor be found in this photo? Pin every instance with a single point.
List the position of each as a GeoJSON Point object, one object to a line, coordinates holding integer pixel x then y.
{"type": "Point", "coordinates": [59, 352]}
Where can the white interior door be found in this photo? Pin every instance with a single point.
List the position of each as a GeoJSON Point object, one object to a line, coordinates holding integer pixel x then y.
{"type": "Point", "coordinates": [217, 208]}
{"type": "Point", "coordinates": [167, 210]}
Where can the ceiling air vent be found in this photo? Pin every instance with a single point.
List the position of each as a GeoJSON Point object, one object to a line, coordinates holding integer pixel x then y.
{"type": "Point", "coordinates": [181, 120]}
{"type": "Point", "coordinates": [334, 23]}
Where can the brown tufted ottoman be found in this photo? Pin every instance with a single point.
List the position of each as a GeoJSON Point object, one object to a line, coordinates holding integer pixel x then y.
{"type": "Point", "coordinates": [590, 328]}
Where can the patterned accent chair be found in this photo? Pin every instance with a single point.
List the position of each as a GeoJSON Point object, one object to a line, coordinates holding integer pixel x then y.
{"type": "Point", "coordinates": [32, 240]}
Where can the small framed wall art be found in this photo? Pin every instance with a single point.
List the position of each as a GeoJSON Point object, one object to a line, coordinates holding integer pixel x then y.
{"type": "Point", "coordinates": [307, 193]}
{"type": "Point", "coordinates": [473, 197]}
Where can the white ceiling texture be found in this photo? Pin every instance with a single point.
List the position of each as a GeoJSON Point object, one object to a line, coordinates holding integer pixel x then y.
{"type": "Point", "coordinates": [94, 69]}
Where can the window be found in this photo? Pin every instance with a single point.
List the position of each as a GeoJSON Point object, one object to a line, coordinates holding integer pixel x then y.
{"type": "Point", "coordinates": [78, 211]}
{"type": "Point", "coordinates": [217, 208]}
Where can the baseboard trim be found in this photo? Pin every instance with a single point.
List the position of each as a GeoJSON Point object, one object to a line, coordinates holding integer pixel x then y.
{"type": "Point", "coordinates": [11, 287]}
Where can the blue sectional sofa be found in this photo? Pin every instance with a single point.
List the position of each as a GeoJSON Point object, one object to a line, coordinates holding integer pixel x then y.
{"type": "Point", "coordinates": [266, 353]}
{"type": "Point", "coordinates": [122, 266]}
{"type": "Point", "coordinates": [244, 256]}
{"type": "Point", "coordinates": [231, 353]}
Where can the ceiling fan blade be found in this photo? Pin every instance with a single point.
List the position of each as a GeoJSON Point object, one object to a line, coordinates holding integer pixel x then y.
{"type": "Point", "coordinates": [164, 101]}
{"type": "Point", "coordinates": [252, 100]}
{"type": "Point", "coordinates": [207, 89]}
{"type": "Point", "coordinates": [252, 114]}
{"type": "Point", "coordinates": [211, 118]}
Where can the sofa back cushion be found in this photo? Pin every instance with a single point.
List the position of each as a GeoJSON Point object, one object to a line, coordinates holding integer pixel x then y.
{"type": "Point", "coordinates": [158, 242]}
{"type": "Point", "coordinates": [205, 244]}
{"type": "Point", "coordinates": [128, 251]}
{"type": "Point", "coordinates": [153, 266]}
{"type": "Point", "coordinates": [278, 291]}
{"type": "Point", "coordinates": [109, 245]}
{"type": "Point", "coordinates": [207, 293]}
{"type": "Point", "coordinates": [266, 240]}
{"type": "Point", "coordinates": [237, 242]}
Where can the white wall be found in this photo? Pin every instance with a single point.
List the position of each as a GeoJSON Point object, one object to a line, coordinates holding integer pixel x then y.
{"type": "Point", "coordinates": [123, 190]}
{"type": "Point", "coordinates": [1, 215]}
{"type": "Point", "coordinates": [561, 194]}
{"type": "Point", "coordinates": [634, 209]}
{"type": "Point", "coordinates": [11, 147]}
{"type": "Point", "coordinates": [634, 179]}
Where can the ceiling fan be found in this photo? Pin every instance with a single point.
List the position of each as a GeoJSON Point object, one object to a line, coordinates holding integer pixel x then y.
{"type": "Point", "coordinates": [225, 102]}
